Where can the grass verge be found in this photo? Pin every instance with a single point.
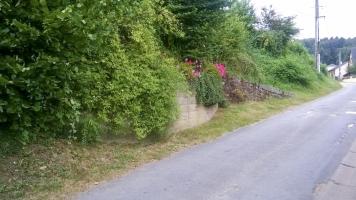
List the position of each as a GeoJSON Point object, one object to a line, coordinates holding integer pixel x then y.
{"type": "Point", "coordinates": [58, 168]}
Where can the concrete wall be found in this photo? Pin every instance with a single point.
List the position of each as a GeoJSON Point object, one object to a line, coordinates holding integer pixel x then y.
{"type": "Point", "coordinates": [191, 114]}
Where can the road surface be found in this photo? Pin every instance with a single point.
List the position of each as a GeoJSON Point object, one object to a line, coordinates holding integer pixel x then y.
{"type": "Point", "coordinates": [342, 184]}
{"type": "Point", "coordinates": [282, 158]}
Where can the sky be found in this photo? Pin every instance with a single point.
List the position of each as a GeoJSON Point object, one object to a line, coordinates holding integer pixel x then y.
{"type": "Point", "coordinates": [340, 16]}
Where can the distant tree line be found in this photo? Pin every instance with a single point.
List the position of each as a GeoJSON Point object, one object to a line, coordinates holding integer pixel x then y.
{"type": "Point", "coordinates": [330, 48]}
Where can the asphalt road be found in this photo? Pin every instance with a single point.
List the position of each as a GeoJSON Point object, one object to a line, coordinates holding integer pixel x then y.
{"type": "Point", "coordinates": [282, 158]}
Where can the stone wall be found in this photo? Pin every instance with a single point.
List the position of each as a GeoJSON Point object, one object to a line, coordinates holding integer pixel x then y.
{"type": "Point", "coordinates": [237, 90]}
{"type": "Point", "coordinates": [191, 113]}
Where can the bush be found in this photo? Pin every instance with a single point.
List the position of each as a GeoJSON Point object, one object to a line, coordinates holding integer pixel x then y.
{"type": "Point", "coordinates": [290, 70]}
{"type": "Point", "coordinates": [45, 51]}
{"type": "Point", "coordinates": [324, 70]}
{"type": "Point", "coordinates": [62, 60]}
{"type": "Point", "coordinates": [293, 68]}
{"type": "Point", "coordinates": [208, 88]}
{"type": "Point", "coordinates": [187, 71]}
{"type": "Point", "coordinates": [352, 70]}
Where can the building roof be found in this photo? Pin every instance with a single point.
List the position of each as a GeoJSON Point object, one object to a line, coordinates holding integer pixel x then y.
{"type": "Point", "coordinates": [333, 67]}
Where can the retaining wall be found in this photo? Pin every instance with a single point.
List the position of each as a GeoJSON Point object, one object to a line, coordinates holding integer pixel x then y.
{"type": "Point", "coordinates": [191, 113]}
{"type": "Point", "coordinates": [239, 90]}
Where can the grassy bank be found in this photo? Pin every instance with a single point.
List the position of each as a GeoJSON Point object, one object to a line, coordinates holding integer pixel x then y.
{"type": "Point", "coordinates": [56, 169]}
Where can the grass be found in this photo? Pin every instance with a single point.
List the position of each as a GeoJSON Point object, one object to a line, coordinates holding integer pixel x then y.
{"type": "Point", "coordinates": [58, 169]}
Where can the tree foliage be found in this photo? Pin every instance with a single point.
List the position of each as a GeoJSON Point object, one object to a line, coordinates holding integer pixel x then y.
{"type": "Point", "coordinates": [64, 59]}
{"type": "Point", "coordinates": [70, 68]}
{"type": "Point", "coordinates": [293, 68]}
{"type": "Point", "coordinates": [197, 19]}
{"type": "Point", "coordinates": [330, 48]}
{"type": "Point", "coordinates": [275, 32]}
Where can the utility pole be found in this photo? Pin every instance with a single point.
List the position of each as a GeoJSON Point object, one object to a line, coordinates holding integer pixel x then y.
{"type": "Point", "coordinates": [317, 36]}
{"type": "Point", "coordinates": [340, 63]}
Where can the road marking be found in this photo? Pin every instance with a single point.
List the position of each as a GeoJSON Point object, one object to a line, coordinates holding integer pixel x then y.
{"type": "Point", "coordinates": [351, 125]}
{"type": "Point", "coordinates": [333, 115]}
{"type": "Point", "coordinates": [351, 113]}
{"type": "Point", "coordinates": [353, 101]}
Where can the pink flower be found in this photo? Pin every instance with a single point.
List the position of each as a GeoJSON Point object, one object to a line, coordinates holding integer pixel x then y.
{"type": "Point", "coordinates": [196, 73]}
{"type": "Point", "coordinates": [221, 69]}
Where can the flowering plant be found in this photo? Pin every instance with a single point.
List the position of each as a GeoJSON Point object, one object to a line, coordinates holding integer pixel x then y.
{"type": "Point", "coordinates": [197, 66]}
{"type": "Point", "coordinates": [205, 80]}
{"type": "Point", "coordinates": [221, 69]}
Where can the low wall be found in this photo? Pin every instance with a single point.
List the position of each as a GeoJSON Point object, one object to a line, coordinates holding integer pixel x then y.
{"type": "Point", "coordinates": [239, 90]}
{"type": "Point", "coordinates": [191, 113]}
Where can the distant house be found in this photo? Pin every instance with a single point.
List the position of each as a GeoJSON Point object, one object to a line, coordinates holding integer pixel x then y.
{"type": "Point", "coordinates": [331, 67]}
{"type": "Point", "coordinates": [341, 71]}
{"type": "Point", "coordinates": [338, 71]}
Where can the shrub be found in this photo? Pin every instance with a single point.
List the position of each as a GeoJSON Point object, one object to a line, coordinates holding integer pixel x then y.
{"type": "Point", "coordinates": [290, 70]}
{"type": "Point", "coordinates": [352, 70]}
{"type": "Point", "coordinates": [293, 68]}
{"type": "Point", "coordinates": [45, 51]}
{"type": "Point", "coordinates": [187, 71]}
{"type": "Point", "coordinates": [89, 129]}
{"type": "Point", "coordinates": [324, 70]}
{"type": "Point", "coordinates": [208, 88]}
{"type": "Point", "coordinates": [62, 60]}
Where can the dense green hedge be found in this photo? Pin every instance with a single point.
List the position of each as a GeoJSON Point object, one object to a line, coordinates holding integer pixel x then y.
{"type": "Point", "coordinates": [69, 66]}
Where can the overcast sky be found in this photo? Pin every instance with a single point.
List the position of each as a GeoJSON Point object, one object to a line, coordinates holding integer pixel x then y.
{"type": "Point", "coordinates": [340, 16]}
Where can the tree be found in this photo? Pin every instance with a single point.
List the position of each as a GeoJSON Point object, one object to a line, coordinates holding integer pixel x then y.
{"type": "Point", "coordinates": [197, 19]}
{"type": "Point", "coordinates": [246, 12]}
{"type": "Point", "coordinates": [230, 40]}
{"type": "Point", "coordinates": [275, 31]}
